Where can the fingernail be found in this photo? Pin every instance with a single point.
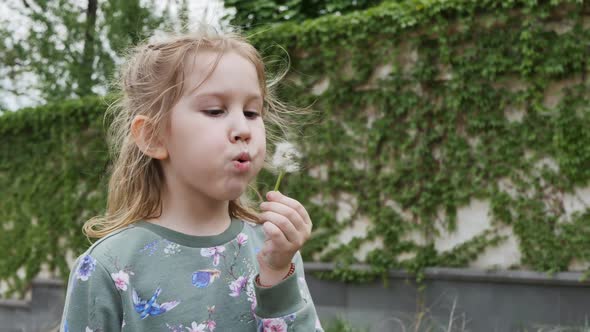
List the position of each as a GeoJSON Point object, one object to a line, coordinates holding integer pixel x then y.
{"type": "Point", "coordinates": [270, 195]}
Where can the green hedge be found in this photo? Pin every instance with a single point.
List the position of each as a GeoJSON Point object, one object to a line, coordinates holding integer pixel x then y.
{"type": "Point", "coordinates": [52, 161]}
{"type": "Point", "coordinates": [439, 136]}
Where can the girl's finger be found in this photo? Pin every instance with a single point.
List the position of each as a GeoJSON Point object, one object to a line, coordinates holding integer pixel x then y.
{"type": "Point", "coordinates": [292, 203]}
{"type": "Point", "coordinates": [275, 235]}
{"type": "Point", "coordinates": [285, 211]}
{"type": "Point", "coordinates": [286, 226]}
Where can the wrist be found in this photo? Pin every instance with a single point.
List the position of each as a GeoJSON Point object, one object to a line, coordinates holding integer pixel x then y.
{"type": "Point", "coordinates": [271, 277]}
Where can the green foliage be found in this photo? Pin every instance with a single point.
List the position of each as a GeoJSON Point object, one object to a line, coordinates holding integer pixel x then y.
{"type": "Point", "coordinates": [484, 100]}
{"type": "Point", "coordinates": [51, 174]}
{"type": "Point", "coordinates": [129, 22]}
{"type": "Point", "coordinates": [254, 13]}
{"type": "Point", "coordinates": [481, 100]}
{"type": "Point", "coordinates": [341, 325]}
{"type": "Point", "coordinates": [69, 52]}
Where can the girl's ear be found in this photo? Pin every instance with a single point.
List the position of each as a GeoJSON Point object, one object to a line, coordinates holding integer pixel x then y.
{"type": "Point", "coordinates": [142, 131]}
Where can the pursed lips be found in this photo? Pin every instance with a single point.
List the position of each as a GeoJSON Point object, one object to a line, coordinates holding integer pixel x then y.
{"type": "Point", "coordinates": [242, 162]}
{"type": "Point", "coordinates": [242, 157]}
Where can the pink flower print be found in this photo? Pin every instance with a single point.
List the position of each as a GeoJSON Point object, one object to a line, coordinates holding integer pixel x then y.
{"type": "Point", "coordinates": [237, 286]}
{"type": "Point", "coordinates": [274, 325]}
{"type": "Point", "coordinates": [121, 280]}
{"type": "Point", "coordinates": [211, 325]}
{"type": "Point", "coordinates": [215, 252]}
{"type": "Point", "coordinates": [197, 327]}
{"type": "Point", "coordinates": [242, 239]}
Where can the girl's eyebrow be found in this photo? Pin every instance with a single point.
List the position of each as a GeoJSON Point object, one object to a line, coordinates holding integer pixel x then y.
{"type": "Point", "coordinates": [220, 95]}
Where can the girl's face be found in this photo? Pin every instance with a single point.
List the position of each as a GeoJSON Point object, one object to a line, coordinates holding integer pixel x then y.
{"type": "Point", "coordinates": [210, 128]}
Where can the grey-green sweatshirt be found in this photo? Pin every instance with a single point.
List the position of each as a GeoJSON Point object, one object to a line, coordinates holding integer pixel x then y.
{"type": "Point", "coordinates": [150, 278]}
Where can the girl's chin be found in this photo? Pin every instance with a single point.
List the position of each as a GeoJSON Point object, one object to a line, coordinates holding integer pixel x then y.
{"type": "Point", "coordinates": [234, 193]}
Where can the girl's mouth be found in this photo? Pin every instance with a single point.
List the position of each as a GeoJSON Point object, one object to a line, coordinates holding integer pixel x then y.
{"type": "Point", "coordinates": [242, 162]}
{"type": "Point", "coordinates": [242, 165]}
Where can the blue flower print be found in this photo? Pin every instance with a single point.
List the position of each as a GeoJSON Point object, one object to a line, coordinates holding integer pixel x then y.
{"type": "Point", "coordinates": [151, 247]}
{"type": "Point", "coordinates": [290, 318]}
{"type": "Point", "coordinates": [151, 307]}
{"type": "Point", "coordinates": [204, 278]}
{"type": "Point", "coordinates": [86, 267]}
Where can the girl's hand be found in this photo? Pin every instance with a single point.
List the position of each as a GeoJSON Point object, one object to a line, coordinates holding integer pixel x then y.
{"type": "Point", "coordinates": [287, 227]}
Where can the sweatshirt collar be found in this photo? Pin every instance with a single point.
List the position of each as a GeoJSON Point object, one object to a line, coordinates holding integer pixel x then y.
{"type": "Point", "coordinates": [195, 241]}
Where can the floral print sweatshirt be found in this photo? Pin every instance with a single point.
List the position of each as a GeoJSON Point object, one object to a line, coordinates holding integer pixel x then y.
{"type": "Point", "coordinates": [147, 277]}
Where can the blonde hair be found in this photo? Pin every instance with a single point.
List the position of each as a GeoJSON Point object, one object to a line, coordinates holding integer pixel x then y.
{"type": "Point", "coordinates": [151, 83]}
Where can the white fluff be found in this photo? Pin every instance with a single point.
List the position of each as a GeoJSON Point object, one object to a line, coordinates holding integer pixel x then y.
{"type": "Point", "coordinates": [286, 157]}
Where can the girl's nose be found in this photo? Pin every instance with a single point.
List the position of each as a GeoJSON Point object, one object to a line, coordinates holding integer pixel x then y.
{"type": "Point", "coordinates": [240, 129]}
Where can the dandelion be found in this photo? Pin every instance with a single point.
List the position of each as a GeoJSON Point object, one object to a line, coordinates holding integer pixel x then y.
{"type": "Point", "coordinates": [285, 160]}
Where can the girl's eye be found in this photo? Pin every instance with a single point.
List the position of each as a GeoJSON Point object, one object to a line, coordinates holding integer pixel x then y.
{"type": "Point", "coordinates": [251, 114]}
{"type": "Point", "coordinates": [214, 112]}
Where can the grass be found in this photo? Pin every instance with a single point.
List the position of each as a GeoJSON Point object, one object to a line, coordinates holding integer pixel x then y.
{"type": "Point", "coordinates": [341, 325]}
{"type": "Point", "coordinates": [425, 322]}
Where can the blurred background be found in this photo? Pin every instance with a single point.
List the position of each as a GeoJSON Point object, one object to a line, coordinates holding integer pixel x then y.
{"type": "Point", "coordinates": [446, 164]}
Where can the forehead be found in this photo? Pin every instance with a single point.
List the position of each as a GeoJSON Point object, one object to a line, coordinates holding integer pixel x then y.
{"type": "Point", "coordinates": [233, 73]}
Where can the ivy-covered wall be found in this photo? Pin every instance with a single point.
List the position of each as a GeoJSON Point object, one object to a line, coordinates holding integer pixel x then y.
{"type": "Point", "coordinates": [424, 107]}
{"type": "Point", "coordinates": [429, 105]}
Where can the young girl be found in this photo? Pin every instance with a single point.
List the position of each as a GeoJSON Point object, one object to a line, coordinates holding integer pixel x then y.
{"type": "Point", "coordinates": [179, 250]}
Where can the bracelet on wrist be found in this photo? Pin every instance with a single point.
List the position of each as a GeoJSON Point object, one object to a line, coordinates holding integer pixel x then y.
{"type": "Point", "coordinates": [291, 271]}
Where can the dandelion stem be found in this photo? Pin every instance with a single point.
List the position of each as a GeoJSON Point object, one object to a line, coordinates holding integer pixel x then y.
{"type": "Point", "coordinates": [279, 180]}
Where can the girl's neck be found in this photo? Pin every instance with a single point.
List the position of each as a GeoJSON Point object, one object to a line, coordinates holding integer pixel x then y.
{"type": "Point", "coordinates": [193, 215]}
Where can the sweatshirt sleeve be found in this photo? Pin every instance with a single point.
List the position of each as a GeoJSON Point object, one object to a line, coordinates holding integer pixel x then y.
{"type": "Point", "coordinates": [92, 302]}
{"type": "Point", "coordinates": [287, 306]}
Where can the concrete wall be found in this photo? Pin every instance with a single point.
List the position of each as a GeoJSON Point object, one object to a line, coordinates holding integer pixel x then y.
{"type": "Point", "coordinates": [458, 300]}
{"type": "Point", "coordinates": [472, 300]}
{"type": "Point", "coordinates": [39, 314]}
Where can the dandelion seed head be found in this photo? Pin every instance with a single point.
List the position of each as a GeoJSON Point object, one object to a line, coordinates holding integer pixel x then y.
{"type": "Point", "coordinates": [286, 157]}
